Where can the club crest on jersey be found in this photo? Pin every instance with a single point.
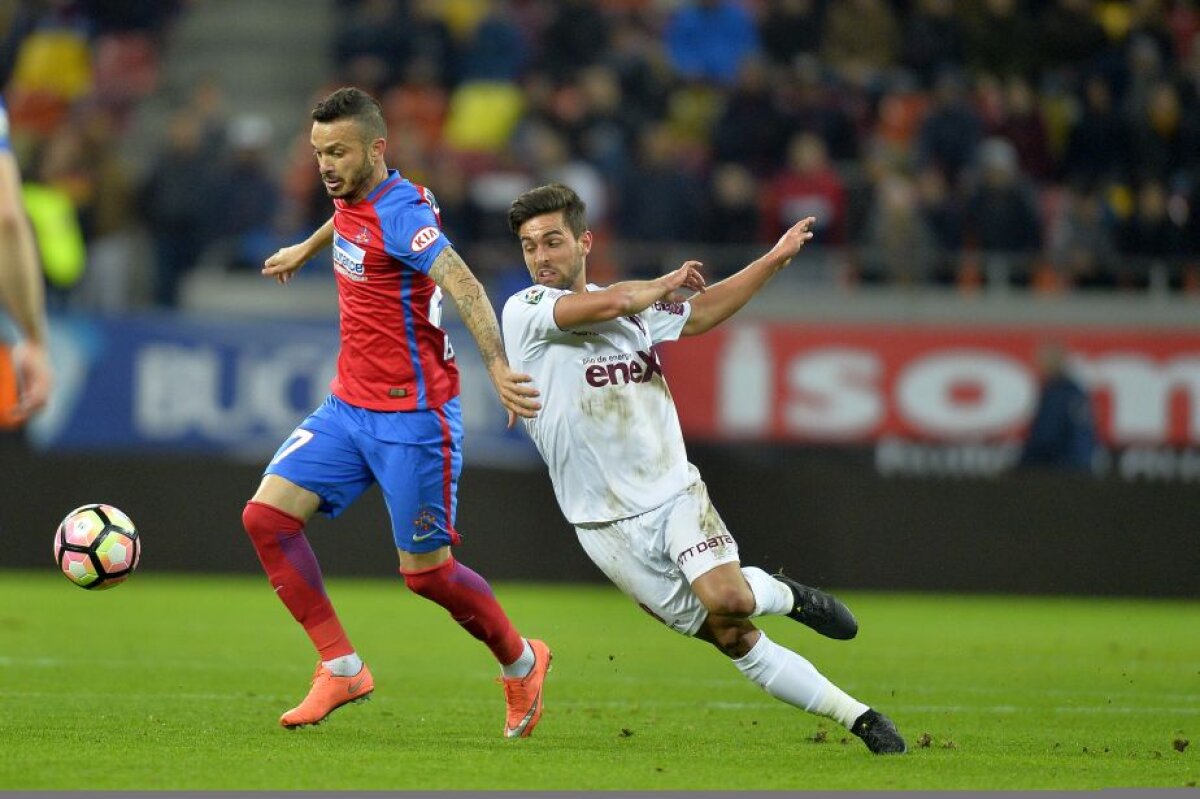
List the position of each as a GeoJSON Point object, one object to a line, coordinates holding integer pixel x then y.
{"type": "Point", "coordinates": [424, 237]}
{"type": "Point", "coordinates": [348, 258]}
{"type": "Point", "coordinates": [534, 295]}
{"type": "Point", "coordinates": [363, 236]}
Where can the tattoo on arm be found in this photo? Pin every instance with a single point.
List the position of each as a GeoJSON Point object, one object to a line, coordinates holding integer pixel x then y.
{"type": "Point", "coordinates": [454, 276]}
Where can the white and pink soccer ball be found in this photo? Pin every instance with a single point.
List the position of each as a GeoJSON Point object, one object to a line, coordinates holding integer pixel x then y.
{"type": "Point", "coordinates": [97, 547]}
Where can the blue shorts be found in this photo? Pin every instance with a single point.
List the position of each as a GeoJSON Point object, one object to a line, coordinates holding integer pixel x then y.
{"type": "Point", "coordinates": [416, 457]}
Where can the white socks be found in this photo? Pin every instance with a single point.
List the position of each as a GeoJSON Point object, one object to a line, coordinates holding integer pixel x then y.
{"type": "Point", "coordinates": [345, 666]}
{"type": "Point", "coordinates": [522, 665]}
{"type": "Point", "coordinates": [790, 678]}
{"type": "Point", "coordinates": [771, 597]}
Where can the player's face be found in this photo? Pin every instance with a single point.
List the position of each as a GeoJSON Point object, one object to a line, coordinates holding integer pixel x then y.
{"type": "Point", "coordinates": [553, 256]}
{"type": "Point", "coordinates": [345, 159]}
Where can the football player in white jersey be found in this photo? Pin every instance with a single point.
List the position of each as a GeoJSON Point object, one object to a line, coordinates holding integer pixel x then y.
{"type": "Point", "coordinates": [610, 435]}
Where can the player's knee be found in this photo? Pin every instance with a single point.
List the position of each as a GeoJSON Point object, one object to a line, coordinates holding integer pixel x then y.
{"type": "Point", "coordinates": [430, 583]}
{"type": "Point", "coordinates": [734, 637]}
{"type": "Point", "coordinates": [263, 522]}
{"type": "Point", "coordinates": [729, 600]}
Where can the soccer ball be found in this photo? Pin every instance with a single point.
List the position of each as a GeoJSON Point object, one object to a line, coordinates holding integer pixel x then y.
{"type": "Point", "coordinates": [97, 547]}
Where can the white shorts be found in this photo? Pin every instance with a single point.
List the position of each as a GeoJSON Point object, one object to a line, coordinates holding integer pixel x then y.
{"type": "Point", "coordinates": [655, 556]}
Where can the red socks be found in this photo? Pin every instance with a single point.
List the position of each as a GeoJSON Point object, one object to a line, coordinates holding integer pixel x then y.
{"type": "Point", "coordinates": [470, 601]}
{"type": "Point", "coordinates": [292, 568]}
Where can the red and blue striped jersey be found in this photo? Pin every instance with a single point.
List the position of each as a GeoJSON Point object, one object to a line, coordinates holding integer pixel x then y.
{"type": "Point", "coordinates": [394, 354]}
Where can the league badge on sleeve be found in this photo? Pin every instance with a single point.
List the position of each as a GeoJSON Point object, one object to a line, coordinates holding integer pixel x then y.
{"type": "Point", "coordinates": [534, 295]}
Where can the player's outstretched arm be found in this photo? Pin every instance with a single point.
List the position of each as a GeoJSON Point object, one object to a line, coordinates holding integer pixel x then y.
{"type": "Point", "coordinates": [287, 261]}
{"type": "Point", "coordinates": [456, 279]}
{"type": "Point", "coordinates": [22, 294]}
{"type": "Point", "coordinates": [724, 299]}
{"type": "Point", "coordinates": [625, 298]}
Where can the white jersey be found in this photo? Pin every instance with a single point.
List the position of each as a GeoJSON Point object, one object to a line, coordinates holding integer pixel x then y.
{"type": "Point", "coordinates": [607, 429]}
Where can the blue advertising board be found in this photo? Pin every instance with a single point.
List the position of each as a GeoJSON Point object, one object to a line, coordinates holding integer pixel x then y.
{"type": "Point", "coordinates": [236, 387]}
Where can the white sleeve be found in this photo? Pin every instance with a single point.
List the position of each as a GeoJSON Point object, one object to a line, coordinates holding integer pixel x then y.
{"type": "Point", "coordinates": [528, 322]}
{"type": "Point", "coordinates": [665, 320]}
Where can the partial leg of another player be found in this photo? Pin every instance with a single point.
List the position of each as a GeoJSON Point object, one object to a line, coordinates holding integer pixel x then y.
{"type": "Point", "coordinates": [274, 520]}
{"type": "Point", "coordinates": [731, 597]}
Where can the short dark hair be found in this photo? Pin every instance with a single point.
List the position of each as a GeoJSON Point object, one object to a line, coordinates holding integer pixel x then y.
{"type": "Point", "coordinates": [547, 200]}
{"type": "Point", "coordinates": [351, 103]}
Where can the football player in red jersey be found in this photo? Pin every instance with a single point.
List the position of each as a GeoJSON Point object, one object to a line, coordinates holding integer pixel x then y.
{"type": "Point", "coordinates": [392, 418]}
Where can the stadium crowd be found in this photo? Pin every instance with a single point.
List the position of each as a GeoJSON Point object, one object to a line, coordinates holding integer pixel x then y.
{"type": "Point", "coordinates": [1051, 145]}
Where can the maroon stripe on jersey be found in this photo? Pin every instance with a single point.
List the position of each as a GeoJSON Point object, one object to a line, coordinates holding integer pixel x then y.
{"type": "Point", "coordinates": [447, 474]}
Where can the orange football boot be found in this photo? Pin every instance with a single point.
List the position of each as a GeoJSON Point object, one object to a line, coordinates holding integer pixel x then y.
{"type": "Point", "coordinates": [523, 695]}
{"type": "Point", "coordinates": [328, 693]}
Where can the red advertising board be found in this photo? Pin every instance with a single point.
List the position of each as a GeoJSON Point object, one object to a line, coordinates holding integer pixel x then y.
{"type": "Point", "coordinates": [857, 384]}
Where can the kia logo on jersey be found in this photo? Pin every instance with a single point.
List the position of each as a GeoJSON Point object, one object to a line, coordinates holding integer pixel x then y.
{"type": "Point", "coordinates": [424, 237]}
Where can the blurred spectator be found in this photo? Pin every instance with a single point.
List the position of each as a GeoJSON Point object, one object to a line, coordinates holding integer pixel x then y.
{"type": "Point", "coordinates": [995, 29]}
{"type": "Point", "coordinates": [372, 31]}
{"type": "Point", "coordinates": [1098, 146]}
{"type": "Point", "coordinates": [900, 246]}
{"type": "Point", "coordinates": [860, 38]}
{"type": "Point", "coordinates": [430, 40]}
{"type": "Point", "coordinates": [809, 105]}
{"type": "Point", "coordinates": [941, 212]}
{"type": "Point", "coordinates": [548, 154]}
{"type": "Point", "coordinates": [250, 190]}
{"type": "Point", "coordinates": [658, 200]}
{"type": "Point", "coordinates": [181, 202]}
{"type": "Point", "coordinates": [1164, 137]}
{"type": "Point", "coordinates": [607, 128]}
{"type": "Point", "coordinates": [750, 130]}
{"type": "Point", "coordinates": [733, 215]}
{"type": "Point", "coordinates": [710, 39]}
{"type": "Point", "coordinates": [495, 50]}
{"type": "Point", "coordinates": [576, 38]}
{"type": "Point", "coordinates": [792, 28]}
{"type": "Point", "coordinates": [1153, 235]}
{"type": "Point", "coordinates": [809, 187]}
{"type": "Point", "coordinates": [1082, 241]}
{"type": "Point", "coordinates": [1062, 433]}
{"type": "Point", "coordinates": [1021, 124]}
{"type": "Point", "coordinates": [1002, 217]}
{"type": "Point", "coordinates": [933, 40]}
{"type": "Point", "coordinates": [417, 106]}
{"type": "Point", "coordinates": [1069, 35]}
{"type": "Point", "coordinates": [951, 133]}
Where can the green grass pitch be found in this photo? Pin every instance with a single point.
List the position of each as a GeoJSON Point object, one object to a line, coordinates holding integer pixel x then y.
{"type": "Point", "coordinates": [176, 682]}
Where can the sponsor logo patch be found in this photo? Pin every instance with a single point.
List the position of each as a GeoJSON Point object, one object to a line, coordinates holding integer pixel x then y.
{"type": "Point", "coordinates": [424, 237]}
{"type": "Point", "coordinates": [624, 372]}
{"type": "Point", "coordinates": [348, 258]}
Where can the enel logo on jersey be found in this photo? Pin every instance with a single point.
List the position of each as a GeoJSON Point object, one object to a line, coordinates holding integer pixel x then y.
{"type": "Point", "coordinates": [348, 258]}
{"type": "Point", "coordinates": [599, 376]}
